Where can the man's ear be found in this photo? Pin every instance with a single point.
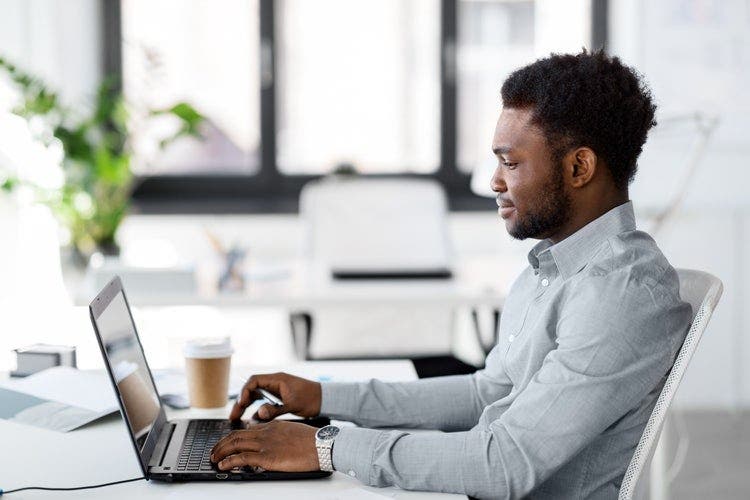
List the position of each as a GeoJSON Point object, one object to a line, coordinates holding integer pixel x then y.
{"type": "Point", "coordinates": [581, 166]}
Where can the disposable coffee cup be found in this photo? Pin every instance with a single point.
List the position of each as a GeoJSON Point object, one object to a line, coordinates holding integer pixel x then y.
{"type": "Point", "coordinates": [140, 402]}
{"type": "Point", "coordinates": [207, 362]}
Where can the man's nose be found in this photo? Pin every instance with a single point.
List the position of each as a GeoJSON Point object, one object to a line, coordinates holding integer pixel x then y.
{"type": "Point", "coordinates": [497, 184]}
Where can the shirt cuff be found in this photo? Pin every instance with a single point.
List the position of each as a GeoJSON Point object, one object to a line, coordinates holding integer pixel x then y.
{"type": "Point", "coordinates": [337, 399]}
{"type": "Point", "coordinates": [353, 449]}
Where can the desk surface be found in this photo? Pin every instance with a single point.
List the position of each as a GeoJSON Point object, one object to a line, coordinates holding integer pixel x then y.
{"type": "Point", "coordinates": [102, 452]}
{"type": "Point", "coordinates": [298, 289]}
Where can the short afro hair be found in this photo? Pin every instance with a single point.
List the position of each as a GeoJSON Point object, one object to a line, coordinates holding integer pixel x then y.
{"type": "Point", "coordinates": [586, 99]}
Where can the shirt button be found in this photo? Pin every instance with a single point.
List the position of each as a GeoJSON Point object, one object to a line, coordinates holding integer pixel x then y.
{"type": "Point", "coordinates": [352, 473]}
{"type": "Point", "coordinates": [545, 282]}
{"type": "Point", "coordinates": [511, 338]}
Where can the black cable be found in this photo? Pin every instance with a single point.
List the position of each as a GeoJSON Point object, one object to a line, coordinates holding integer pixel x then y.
{"type": "Point", "coordinates": [45, 488]}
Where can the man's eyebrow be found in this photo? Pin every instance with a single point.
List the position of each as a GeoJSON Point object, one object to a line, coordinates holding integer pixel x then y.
{"type": "Point", "coordinates": [501, 150]}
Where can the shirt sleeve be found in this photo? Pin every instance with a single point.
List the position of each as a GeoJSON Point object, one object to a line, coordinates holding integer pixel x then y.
{"type": "Point", "coordinates": [445, 403]}
{"type": "Point", "coordinates": [608, 359]}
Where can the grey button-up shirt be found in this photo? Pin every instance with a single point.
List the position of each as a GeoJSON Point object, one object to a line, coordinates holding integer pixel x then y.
{"type": "Point", "coordinates": [588, 333]}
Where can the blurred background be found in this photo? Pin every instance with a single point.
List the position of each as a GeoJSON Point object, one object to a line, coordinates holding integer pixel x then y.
{"type": "Point", "coordinates": [254, 168]}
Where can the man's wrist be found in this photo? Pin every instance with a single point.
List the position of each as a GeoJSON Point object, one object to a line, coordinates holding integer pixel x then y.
{"type": "Point", "coordinates": [353, 450]}
{"type": "Point", "coordinates": [324, 439]}
{"type": "Point", "coordinates": [316, 400]}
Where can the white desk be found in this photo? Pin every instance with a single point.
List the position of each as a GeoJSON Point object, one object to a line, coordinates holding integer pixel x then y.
{"type": "Point", "coordinates": [102, 452]}
{"type": "Point", "coordinates": [301, 289]}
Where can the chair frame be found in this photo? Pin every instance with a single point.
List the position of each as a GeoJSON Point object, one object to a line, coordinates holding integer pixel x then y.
{"type": "Point", "coordinates": [650, 437]}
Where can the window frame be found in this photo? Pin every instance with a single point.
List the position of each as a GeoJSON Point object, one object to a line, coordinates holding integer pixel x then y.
{"type": "Point", "coordinates": [271, 192]}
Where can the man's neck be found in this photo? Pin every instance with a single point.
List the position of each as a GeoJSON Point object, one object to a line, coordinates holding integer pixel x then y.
{"type": "Point", "coordinates": [588, 213]}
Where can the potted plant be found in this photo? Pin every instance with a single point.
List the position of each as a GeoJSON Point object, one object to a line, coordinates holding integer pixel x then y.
{"type": "Point", "coordinates": [98, 180]}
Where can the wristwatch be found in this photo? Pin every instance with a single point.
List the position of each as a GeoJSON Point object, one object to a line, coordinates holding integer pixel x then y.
{"type": "Point", "coordinates": [324, 444]}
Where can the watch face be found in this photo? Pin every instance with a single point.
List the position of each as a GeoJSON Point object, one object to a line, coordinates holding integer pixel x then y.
{"type": "Point", "coordinates": [328, 432]}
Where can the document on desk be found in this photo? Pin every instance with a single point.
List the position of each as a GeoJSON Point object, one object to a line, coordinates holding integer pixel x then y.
{"type": "Point", "coordinates": [60, 398]}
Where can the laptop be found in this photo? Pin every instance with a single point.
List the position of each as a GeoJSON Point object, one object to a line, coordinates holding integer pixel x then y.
{"type": "Point", "coordinates": [174, 450]}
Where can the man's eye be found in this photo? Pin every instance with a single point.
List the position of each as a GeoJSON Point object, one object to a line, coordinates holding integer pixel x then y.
{"type": "Point", "coordinates": [511, 165]}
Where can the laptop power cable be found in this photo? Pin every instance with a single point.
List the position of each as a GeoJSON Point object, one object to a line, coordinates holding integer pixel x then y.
{"type": "Point", "coordinates": [45, 488]}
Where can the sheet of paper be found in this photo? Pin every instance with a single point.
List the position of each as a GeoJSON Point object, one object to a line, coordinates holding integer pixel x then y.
{"type": "Point", "coordinates": [90, 390]}
{"type": "Point", "coordinates": [26, 409]}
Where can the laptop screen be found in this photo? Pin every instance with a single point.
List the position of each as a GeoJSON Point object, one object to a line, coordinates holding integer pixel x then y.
{"type": "Point", "coordinates": [124, 355]}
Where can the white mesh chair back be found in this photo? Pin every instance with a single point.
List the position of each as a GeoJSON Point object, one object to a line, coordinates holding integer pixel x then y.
{"type": "Point", "coordinates": [369, 224]}
{"type": "Point", "coordinates": [702, 291]}
{"type": "Point", "coordinates": [362, 224]}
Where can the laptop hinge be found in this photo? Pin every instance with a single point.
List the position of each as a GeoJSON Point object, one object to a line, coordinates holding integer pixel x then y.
{"type": "Point", "coordinates": [160, 450]}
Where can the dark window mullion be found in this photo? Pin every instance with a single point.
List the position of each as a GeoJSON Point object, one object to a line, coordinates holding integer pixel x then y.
{"type": "Point", "coordinates": [455, 182]}
{"type": "Point", "coordinates": [599, 26]}
{"type": "Point", "coordinates": [268, 173]}
{"type": "Point", "coordinates": [112, 41]}
{"type": "Point", "coordinates": [448, 111]}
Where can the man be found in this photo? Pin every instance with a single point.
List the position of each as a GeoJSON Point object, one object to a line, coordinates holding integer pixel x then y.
{"type": "Point", "coordinates": [588, 333]}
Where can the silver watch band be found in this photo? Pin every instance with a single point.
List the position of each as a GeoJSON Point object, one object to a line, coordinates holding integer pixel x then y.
{"type": "Point", "coordinates": [325, 455]}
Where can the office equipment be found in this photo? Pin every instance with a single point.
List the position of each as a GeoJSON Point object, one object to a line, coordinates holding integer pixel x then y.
{"type": "Point", "coordinates": [39, 357]}
{"type": "Point", "coordinates": [703, 292]}
{"type": "Point", "coordinates": [167, 450]}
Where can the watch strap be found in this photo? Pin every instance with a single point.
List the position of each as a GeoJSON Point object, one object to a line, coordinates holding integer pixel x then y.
{"type": "Point", "coordinates": [325, 455]}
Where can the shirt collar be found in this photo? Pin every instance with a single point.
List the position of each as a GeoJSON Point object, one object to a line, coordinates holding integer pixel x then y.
{"type": "Point", "coordinates": [574, 252]}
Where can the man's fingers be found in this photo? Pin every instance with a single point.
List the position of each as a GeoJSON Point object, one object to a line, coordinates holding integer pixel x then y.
{"type": "Point", "coordinates": [247, 392]}
{"type": "Point", "coordinates": [250, 458]}
{"type": "Point", "coordinates": [268, 411]}
{"type": "Point", "coordinates": [236, 442]}
{"type": "Point", "coordinates": [271, 381]}
{"type": "Point", "coordinates": [237, 411]}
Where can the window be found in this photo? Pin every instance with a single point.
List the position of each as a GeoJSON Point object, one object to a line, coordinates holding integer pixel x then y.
{"type": "Point", "coordinates": [359, 93]}
{"type": "Point", "coordinates": [299, 88]}
{"type": "Point", "coordinates": [173, 51]}
{"type": "Point", "coordinates": [494, 38]}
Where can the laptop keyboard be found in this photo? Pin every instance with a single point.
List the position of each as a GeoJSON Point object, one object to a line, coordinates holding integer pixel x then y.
{"type": "Point", "coordinates": [201, 436]}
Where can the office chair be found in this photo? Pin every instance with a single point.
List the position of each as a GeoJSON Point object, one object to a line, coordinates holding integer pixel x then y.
{"type": "Point", "coordinates": [359, 231]}
{"type": "Point", "coordinates": [702, 291]}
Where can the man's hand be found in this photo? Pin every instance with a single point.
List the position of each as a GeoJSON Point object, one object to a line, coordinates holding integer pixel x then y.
{"type": "Point", "coordinates": [277, 446]}
{"type": "Point", "coordinates": [299, 396]}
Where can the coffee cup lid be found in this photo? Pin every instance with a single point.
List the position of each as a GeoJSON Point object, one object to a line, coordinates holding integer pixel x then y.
{"type": "Point", "coordinates": [209, 347]}
{"type": "Point", "coordinates": [123, 369]}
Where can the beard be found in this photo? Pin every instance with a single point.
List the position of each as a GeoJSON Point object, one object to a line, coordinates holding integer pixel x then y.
{"type": "Point", "coordinates": [548, 213]}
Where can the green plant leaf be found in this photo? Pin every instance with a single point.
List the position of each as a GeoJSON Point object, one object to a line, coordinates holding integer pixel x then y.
{"type": "Point", "coordinates": [186, 113]}
{"type": "Point", "coordinates": [190, 121]}
{"type": "Point", "coordinates": [75, 141]}
{"type": "Point", "coordinates": [112, 168]}
{"type": "Point", "coordinates": [97, 158]}
{"type": "Point", "coordinates": [9, 184]}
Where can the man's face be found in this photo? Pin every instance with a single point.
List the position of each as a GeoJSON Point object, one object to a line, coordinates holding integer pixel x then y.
{"type": "Point", "coordinates": [531, 193]}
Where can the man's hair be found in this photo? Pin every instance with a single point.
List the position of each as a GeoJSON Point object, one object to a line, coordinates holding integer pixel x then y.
{"type": "Point", "coordinates": [586, 99]}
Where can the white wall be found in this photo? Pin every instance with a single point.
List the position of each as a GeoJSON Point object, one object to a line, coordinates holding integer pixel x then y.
{"type": "Point", "coordinates": [696, 57]}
